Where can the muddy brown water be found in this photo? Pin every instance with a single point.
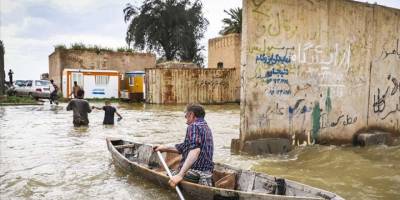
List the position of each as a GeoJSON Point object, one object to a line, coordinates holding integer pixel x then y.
{"type": "Point", "coordinates": [42, 156]}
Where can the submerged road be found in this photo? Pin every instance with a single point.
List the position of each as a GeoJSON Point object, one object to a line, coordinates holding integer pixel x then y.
{"type": "Point", "coordinates": [42, 156]}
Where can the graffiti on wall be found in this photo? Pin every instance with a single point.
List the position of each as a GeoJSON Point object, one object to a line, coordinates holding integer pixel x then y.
{"type": "Point", "coordinates": [297, 112]}
{"type": "Point", "coordinates": [297, 119]}
{"type": "Point", "coordinates": [335, 64]}
{"type": "Point", "coordinates": [342, 119]}
{"type": "Point", "coordinates": [277, 82]}
{"type": "Point", "coordinates": [323, 118]}
{"type": "Point", "coordinates": [266, 49]}
{"type": "Point", "coordinates": [305, 54]}
{"type": "Point", "coordinates": [381, 98]}
{"type": "Point", "coordinates": [325, 67]}
{"type": "Point", "coordinates": [219, 82]}
{"type": "Point", "coordinates": [280, 24]}
{"type": "Point", "coordinates": [395, 110]}
{"type": "Point", "coordinates": [273, 23]}
{"type": "Point", "coordinates": [326, 57]}
{"type": "Point", "coordinates": [273, 59]}
{"type": "Point", "coordinates": [257, 7]}
{"type": "Point", "coordinates": [394, 52]}
{"type": "Point", "coordinates": [302, 113]}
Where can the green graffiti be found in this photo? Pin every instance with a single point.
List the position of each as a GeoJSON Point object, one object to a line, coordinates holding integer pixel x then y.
{"type": "Point", "coordinates": [316, 116]}
{"type": "Point", "coordinates": [328, 101]}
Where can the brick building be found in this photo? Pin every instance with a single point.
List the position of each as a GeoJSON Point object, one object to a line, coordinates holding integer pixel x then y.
{"type": "Point", "coordinates": [224, 52]}
{"type": "Point", "coordinates": [123, 62]}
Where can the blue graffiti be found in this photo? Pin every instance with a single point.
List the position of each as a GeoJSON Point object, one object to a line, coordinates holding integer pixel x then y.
{"type": "Point", "coordinates": [292, 109]}
{"type": "Point", "coordinates": [298, 109]}
{"type": "Point", "coordinates": [277, 80]}
{"type": "Point", "coordinates": [280, 92]}
{"type": "Point", "coordinates": [273, 59]}
{"type": "Point", "coordinates": [278, 72]}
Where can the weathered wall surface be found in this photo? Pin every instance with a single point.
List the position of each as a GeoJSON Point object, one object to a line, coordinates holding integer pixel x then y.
{"type": "Point", "coordinates": [176, 64]}
{"type": "Point", "coordinates": [76, 59]}
{"type": "Point", "coordinates": [324, 68]}
{"type": "Point", "coordinates": [55, 69]}
{"type": "Point", "coordinates": [207, 86]}
{"type": "Point", "coordinates": [226, 50]}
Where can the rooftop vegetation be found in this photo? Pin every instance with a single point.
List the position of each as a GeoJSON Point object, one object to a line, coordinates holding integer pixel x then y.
{"type": "Point", "coordinates": [95, 48]}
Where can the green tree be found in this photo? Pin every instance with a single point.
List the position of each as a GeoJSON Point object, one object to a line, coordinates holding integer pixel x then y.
{"type": "Point", "coordinates": [172, 28]}
{"type": "Point", "coordinates": [233, 24]}
{"type": "Point", "coordinates": [2, 72]}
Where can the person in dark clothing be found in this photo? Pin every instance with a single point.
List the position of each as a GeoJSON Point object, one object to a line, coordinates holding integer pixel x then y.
{"type": "Point", "coordinates": [75, 89]}
{"type": "Point", "coordinates": [53, 92]}
{"type": "Point", "coordinates": [108, 113]}
{"type": "Point", "coordinates": [80, 108]}
{"type": "Point", "coordinates": [10, 76]}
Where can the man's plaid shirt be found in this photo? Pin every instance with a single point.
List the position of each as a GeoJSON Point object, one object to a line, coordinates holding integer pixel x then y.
{"type": "Point", "coordinates": [198, 135]}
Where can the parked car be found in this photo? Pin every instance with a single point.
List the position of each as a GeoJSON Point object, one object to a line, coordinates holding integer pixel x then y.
{"type": "Point", "coordinates": [7, 89]}
{"type": "Point", "coordinates": [12, 88]}
{"type": "Point", "coordinates": [34, 88]}
{"type": "Point", "coordinates": [19, 83]}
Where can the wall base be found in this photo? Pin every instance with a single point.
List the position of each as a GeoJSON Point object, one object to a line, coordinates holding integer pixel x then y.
{"type": "Point", "coordinates": [262, 146]}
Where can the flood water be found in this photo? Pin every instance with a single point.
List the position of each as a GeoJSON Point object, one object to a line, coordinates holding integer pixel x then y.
{"type": "Point", "coordinates": [42, 156]}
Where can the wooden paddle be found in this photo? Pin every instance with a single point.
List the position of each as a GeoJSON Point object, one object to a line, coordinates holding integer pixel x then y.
{"type": "Point", "coordinates": [169, 174]}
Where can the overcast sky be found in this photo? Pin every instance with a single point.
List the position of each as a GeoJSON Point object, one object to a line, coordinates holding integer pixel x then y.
{"type": "Point", "coordinates": [29, 29]}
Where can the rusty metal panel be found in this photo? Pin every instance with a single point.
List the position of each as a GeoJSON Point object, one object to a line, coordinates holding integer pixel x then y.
{"type": "Point", "coordinates": [181, 86]}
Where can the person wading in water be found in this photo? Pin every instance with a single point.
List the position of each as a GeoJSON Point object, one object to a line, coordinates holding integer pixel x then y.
{"type": "Point", "coordinates": [75, 89]}
{"type": "Point", "coordinates": [53, 92]}
{"type": "Point", "coordinates": [80, 108]}
{"type": "Point", "coordinates": [108, 113]}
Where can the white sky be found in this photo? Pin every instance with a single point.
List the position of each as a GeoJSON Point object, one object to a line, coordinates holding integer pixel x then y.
{"type": "Point", "coordinates": [29, 29]}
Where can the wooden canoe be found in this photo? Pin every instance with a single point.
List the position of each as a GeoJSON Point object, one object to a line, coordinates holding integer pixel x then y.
{"type": "Point", "coordinates": [230, 183]}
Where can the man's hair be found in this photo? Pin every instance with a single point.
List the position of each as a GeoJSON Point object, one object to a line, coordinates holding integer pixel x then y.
{"type": "Point", "coordinates": [196, 109]}
{"type": "Point", "coordinates": [75, 82]}
{"type": "Point", "coordinates": [107, 102]}
{"type": "Point", "coordinates": [51, 81]}
{"type": "Point", "coordinates": [80, 93]}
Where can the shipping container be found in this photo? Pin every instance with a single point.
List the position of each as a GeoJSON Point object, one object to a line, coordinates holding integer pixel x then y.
{"type": "Point", "coordinates": [95, 83]}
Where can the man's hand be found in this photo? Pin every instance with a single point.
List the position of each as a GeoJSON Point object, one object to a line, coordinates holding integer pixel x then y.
{"type": "Point", "coordinates": [160, 148]}
{"type": "Point", "coordinates": [174, 181]}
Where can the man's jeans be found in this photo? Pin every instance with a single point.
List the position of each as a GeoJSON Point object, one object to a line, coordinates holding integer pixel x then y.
{"type": "Point", "coordinates": [196, 176]}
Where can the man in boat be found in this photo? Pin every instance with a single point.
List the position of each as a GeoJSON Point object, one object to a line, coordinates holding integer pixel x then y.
{"type": "Point", "coordinates": [197, 150]}
{"type": "Point", "coordinates": [80, 108]}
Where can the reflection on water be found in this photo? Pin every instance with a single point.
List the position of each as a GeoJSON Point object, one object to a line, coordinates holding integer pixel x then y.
{"type": "Point", "coordinates": [43, 156]}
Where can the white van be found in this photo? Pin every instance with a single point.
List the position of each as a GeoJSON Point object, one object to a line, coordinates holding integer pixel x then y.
{"type": "Point", "coordinates": [34, 88]}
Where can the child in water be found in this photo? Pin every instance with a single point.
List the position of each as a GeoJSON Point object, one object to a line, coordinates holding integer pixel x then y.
{"type": "Point", "coordinates": [109, 113]}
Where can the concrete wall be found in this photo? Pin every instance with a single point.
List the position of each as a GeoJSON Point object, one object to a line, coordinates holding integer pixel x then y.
{"type": "Point", "coordinates": [324, 68]}
{"type": "Point", "coordinates": [226, 49]}
{"type": "Point", "coordinates": [182, 86]}
{"type": "Point", "coordinates": [81, 59]}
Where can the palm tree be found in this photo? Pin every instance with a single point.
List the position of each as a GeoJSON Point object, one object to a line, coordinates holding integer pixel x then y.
{"type": "Point", "coordinates": [233, 24]}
